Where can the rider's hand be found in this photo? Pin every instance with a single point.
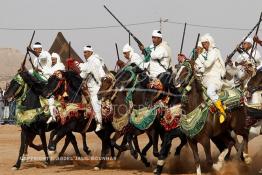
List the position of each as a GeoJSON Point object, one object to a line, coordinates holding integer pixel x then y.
{"type": "Point", "coordinates": [120, 63]}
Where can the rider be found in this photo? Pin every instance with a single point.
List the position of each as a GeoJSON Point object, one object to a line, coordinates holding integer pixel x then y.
{"type": "Point", "coordinates": [92, 70]}
{"type": "Point", "coordinates": [160, 55]}
{"type": "Point", "coordinates": [213, 70]}
{"type": "Point", "coordinates": [42, 62]}
{"type": "Point", "coordinates": [56, 65]}
{"type": "Point", "coordinates": [132, 57]}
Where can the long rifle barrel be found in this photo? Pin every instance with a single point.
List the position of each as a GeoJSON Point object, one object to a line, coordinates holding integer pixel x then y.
{"type": "Point", "coordinates": [117, 51]}
{"type": "Point", "coordinates": [182, 43]}
{"type": "Point", "coordinates": [135, 38]}
{"type": "Point", "coordinates": [27, 50]}
{"type": "Point", "coordinates": [235, 50]}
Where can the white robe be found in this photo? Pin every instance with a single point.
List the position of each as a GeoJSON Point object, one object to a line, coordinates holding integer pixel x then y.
{"type": "Point", "coordinates": [162, 54]}
{"type": "Point", "coordinates": [136, 59]}
{"type": "Point", "coordinates": [94, 66]}
{"type": "Point", "coordinates": [212, 67]}
{"type": "Point", "coordinates": [43, 62]}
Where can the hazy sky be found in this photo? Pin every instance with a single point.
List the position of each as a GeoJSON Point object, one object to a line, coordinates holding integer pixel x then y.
{"type": "Point", "coordinates": [90, 13]}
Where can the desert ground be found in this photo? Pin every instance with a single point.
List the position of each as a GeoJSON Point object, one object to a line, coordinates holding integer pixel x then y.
{"type": "Point", "coordinates": [10, 141]}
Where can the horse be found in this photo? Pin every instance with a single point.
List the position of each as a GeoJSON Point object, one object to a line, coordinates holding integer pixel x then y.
{"type": "Point", "coordinates": [142, 96]}
{"type": "Point", "coordinates": [193, 93]}
{"type": "Point", "coordinates": [253, 103]}
{"type": "Point", "coordinates": [26, 89]}
{"type": "Point", "coordinates": [70, 82]}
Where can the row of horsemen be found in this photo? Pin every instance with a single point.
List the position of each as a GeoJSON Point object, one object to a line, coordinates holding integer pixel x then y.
{"type": "Point", "coordinates": [209, 66]}
{"type": "Point", "coordinates": [214, 74]}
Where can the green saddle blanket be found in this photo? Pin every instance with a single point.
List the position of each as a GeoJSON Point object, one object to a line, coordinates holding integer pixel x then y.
{"type": "Point", "coordinates": [143, 118]}
{"type": "Point", "coordinates": [230, 97]}
{"type": "Point", "coordinates": [194, 122]}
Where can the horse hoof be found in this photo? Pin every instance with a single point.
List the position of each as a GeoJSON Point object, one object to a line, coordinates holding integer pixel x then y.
{"type": "Point", "coordinates": [96, 168]}
{"type": "Point", "coordinates": [14, 168]}
{"type": "Point", "coordinates": [248, 160]}
{"type": "Point", "coordinates": [155, 171]}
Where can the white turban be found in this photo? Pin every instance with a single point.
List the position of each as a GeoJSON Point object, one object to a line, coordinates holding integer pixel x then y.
{"type": "Point", "coordinates": [88, 48]}
{"type": "Point", "coordinates": [55, 55]}
{"type": "Point", "coordinates": [37, 45]}
{"type": "Point", "coordinates": [127, 48]}
{"type": "Point", "coordinates": [209, 38]}
{"type": "Point", "coordinates": [157, 33]}
{"type": "Point", "coordinates": [248, 40]}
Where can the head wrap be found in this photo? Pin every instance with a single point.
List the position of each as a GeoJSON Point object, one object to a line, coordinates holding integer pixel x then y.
{"type": "Point", "coordinates": [55, 55]}
{"type": "Point", "coordinates": [37, 45]}
{"type": "Point", "coordinates": [208, 38]}
{"type": "Point", "coordinates": [127, 48]}
{"type": "Point", "coordinates": [157, 33]}
{"type": "Point", "coordinates": [88, 48]}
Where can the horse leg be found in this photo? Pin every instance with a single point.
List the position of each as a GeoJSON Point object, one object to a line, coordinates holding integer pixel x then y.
{"type": "Point", "coordinates": [85, 147]}
{"type": "Point", "coordinates": [148, 145]}
{"type": "Point", "coordinates": [193, 145]}
{"type": "Point", "coordinates": [122, 147]}
{"type": "Point", "coordinates": [183, 142]}
{"type": "Point", "coordinates": [67, 141]}
{"type": "Point", "coordinates": [155, 136]}
{"type": "Point", "coordinates": [143, 158]}
{"type": "Point", "coordinates": [43, 140]}
{"type": "Point", "coordinates": [133, 152]}
{"type": "Point", "coordinates": [22, 149]}
{"type": "Point", "coordinates": [106, 144]}
{"type": "Point", "coordinates": [247, 158]}
{"type": "Point", "coordinates": [165, 148]}
{"type": "Point", "coordinates": [205, 142]}
{"type": "Point", "coordinates": [31, 138]}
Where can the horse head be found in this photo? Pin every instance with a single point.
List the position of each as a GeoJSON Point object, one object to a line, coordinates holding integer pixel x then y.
{"type": "Point", "coordinates": [255, 83]}
{"type": "Point", "coordinates": [64, 84]}
{"type": "Point", "coordinates": [15, 88]}
{"type": "Point", "coordinates": [183, 75]}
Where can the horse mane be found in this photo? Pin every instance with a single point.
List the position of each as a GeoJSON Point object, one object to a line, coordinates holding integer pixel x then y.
{"type": "Point", "coordinates": [34, 83]}
{"type": "Point", "coordinates": [73, 79]}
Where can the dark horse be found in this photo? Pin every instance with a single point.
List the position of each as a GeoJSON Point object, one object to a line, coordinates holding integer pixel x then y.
{"type": "Point", "coordinates": [132, 81]}
{"type": "Point", "coordinates": [234, 122]}
{"type": "Point", "coordinates": [70, 82]}
{"type": "Point", "coordinates": [22, 86]}
{"type": "Point", "coordinates": [27, 89]}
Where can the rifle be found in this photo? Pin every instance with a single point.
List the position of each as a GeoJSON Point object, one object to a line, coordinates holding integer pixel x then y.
{"type": "Point", "coordinates": [254, 45]}
{"type": "Point", "coordinates": [194, 56]}
{"type": "Point", "coordinates": [69, 49]}
{"type": "Point", "coordinates": [235, 50]}
{"type": "Point", "coordinates": [117, 51]}
{"type": "Point", "coordinates": [27, 52]}
{"type": "Point", "coordinates": [128, 31]}
{"type": "Point", "coordinates": [182, 43]}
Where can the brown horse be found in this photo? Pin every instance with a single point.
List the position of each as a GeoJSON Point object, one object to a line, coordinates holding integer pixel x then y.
{"type": "Point", "coordinates": [193, 91]}
{"type": "Point", "coordinates": [253, 103]}
{"type": "Point", "coordinates": [117, 91]}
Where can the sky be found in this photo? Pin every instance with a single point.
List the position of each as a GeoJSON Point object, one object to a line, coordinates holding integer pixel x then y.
{"type": "Point", "coordinates": [65, 14]}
